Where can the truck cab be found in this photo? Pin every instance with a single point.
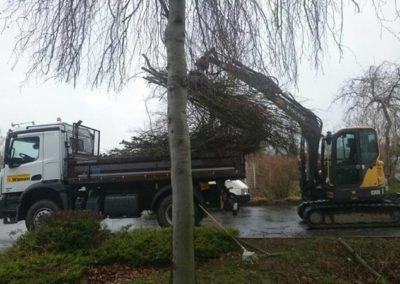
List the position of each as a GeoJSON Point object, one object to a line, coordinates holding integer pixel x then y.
{"type": "Point", "coordinates": [34, 166]}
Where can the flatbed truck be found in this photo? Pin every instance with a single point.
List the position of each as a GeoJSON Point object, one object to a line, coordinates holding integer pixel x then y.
{"type": "Point", "coordinates": [58, 167]}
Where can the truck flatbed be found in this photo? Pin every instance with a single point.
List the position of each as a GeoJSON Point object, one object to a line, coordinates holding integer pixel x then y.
{"type": "Point", "coordinates": [100, 170]}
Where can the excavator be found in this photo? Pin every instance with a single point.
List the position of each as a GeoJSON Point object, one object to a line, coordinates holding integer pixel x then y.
{"type": "Point", "coordinates": [342, 180]}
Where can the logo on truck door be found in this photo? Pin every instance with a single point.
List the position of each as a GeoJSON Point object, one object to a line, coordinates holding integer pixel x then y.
{"type": "Point", "coordinates": [19, 177]}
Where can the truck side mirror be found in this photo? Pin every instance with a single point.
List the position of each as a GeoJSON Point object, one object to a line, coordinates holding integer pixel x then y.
{"type": "Point", "coordinates": [12, 163]}
{"type": "Point", "coordinates": [6, 159]}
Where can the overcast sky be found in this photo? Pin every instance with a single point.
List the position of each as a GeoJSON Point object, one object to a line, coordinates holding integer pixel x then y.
{"type": "Point", "coordinates": [116, 115]}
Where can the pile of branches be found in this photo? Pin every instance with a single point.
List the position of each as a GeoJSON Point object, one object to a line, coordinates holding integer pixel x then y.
{"type": "Point", "coordinates": [224, 116]}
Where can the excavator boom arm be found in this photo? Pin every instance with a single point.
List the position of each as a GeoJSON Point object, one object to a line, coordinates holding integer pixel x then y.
{"type": "Point", "coordinates": [310, 124]}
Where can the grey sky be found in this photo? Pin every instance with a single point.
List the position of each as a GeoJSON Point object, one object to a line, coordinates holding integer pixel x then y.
{"type": "Point", "coordinates": [365, 43]}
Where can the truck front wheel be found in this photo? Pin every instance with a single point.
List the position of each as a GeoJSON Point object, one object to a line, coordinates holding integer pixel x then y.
{"type": "Point", "coordinates": [38, 211]}
{"type": "Point", "coordinates": [164, 213]}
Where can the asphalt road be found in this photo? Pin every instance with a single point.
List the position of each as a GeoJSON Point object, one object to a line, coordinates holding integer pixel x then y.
{"type": "Point", "coordinates": [252, 222]}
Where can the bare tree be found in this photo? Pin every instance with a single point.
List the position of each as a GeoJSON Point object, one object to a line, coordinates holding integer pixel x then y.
{"type": "Point", "coordinates": [373, 99]}
{"type": "Point", "coordinates": [102, 39]}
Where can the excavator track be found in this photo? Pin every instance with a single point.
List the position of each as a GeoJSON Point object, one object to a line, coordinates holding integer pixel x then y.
{"type": "Point", "coordinates": [329, 214]}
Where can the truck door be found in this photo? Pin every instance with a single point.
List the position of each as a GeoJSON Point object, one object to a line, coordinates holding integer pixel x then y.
{"type": "Point", "coordinates": [52, 155]}
{"type": "Point", "coordinates": [346, 160]}
{"type": "Point", "coordinates": [24, 162]}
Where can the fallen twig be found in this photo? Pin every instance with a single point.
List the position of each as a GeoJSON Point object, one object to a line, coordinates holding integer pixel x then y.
{"type": "Point", "coordinates": [361, 261]}
{"type": "Point", "coordinates": [261, 250]}
{"type": "Point", "coordinates": [246, 254]}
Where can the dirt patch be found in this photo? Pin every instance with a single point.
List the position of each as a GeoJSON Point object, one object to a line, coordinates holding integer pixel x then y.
{"type": "Point", "coordinates": [116, 274]}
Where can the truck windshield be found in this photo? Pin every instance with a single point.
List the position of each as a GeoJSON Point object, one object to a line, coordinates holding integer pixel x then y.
{"type": "Point", "coordinates": [24, 150]}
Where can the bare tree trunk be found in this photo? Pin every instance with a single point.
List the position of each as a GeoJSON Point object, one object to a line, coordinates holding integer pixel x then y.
{"type": "Point", "coordinates": [179, 143]}
{"type": "Point", "coordinates": [388, 128]}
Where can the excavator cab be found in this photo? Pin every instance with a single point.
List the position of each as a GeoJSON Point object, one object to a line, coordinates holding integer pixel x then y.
{"type": "Point", "coordinates": [356, 173]}
{"type": "Point", "coordinates": [354, 184]}
{"type": "Point", "coordinates": [350, 188]}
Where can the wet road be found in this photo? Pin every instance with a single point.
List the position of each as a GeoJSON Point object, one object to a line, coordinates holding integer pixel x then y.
{"type": "Point", "coordinates": [252, 222]}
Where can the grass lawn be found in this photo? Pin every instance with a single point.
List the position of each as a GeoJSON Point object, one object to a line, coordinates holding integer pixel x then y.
{"type": "Point", "coordinates": [318, 260]}
{"type": "Point", "coordinates": [393, 189]}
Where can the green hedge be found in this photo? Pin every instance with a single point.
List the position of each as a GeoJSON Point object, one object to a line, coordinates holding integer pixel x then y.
{"type": "Point", "coordinates": [64, 245]}
{"type": "Point", "coordinates": [66, 231]}
{"type": "Point", "coordinates": [153, 246]}
{"type": "Point", "coordinates": [42, 268]}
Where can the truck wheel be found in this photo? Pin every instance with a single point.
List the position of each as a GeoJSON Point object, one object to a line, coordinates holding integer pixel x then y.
{"type": "Point", "coordinates": [38, 211]}
{"type": "Point", "coordinates": [164, 213]}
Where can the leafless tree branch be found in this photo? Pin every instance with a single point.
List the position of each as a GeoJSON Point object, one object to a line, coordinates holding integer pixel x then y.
{"type": "Point", "coordinates": [67, 39]}
{"type": "Point", "coordinates": [373, 99]}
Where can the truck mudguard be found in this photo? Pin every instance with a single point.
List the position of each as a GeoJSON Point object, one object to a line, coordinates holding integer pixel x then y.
{"type": "Point", "coordinates": [58, 189]}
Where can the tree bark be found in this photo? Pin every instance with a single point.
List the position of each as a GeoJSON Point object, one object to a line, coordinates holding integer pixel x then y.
{"type": "Point", "coordinates": [179, 143]}
{"type": "Point", "coordinates": [388, 128]}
